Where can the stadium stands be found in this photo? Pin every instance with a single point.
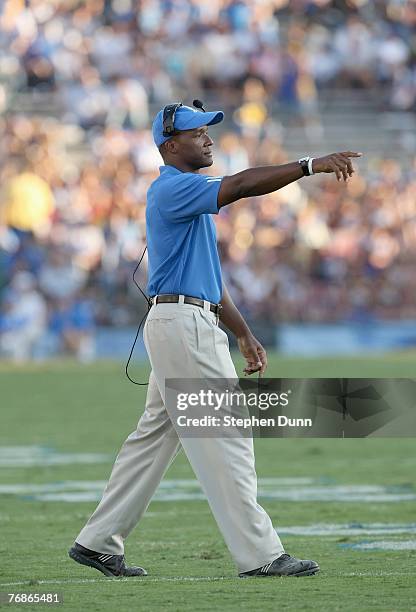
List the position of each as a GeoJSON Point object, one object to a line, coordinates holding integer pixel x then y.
{"type": "Point", "coordinates": [79, 84]}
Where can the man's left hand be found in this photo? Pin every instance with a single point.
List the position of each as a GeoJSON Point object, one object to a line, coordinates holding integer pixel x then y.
{"type": "Point", "coordinates": [253, 352]}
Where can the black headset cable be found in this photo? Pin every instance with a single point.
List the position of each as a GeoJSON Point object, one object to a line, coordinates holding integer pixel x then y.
{"type": "Point", "coordinates": [149, 305]}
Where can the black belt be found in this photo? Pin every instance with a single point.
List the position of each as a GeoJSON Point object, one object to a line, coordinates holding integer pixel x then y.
{"type": "Point", "coordinates": [174, 299]}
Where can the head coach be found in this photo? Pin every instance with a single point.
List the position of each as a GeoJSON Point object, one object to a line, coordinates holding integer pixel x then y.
{"type": "Point", "coordinates": [183, 340]}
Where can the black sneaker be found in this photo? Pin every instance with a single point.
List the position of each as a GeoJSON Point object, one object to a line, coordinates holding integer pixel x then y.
{"type": "Point", "coordinates": [110, 565]}
{"type": "Point", "coordinates": [285, 565]}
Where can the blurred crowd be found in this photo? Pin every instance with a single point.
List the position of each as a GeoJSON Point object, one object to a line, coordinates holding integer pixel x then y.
{"type": "Point", "coordinates": [317, 250]}
{"type": "Point", "coordinates": [73, 181]}
{"type": "Point", "coordinates": [107, 59]}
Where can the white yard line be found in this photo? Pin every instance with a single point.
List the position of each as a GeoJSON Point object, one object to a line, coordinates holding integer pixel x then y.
{"type": "Point", "coordinates": [147, 579]}
{"type": "Point", "coordinates": [104, 579]}
{"type": "Point", "coordinates": [189, 490]}
{"type": "Point", "coordinates": [382, 545]}
{"type": "Point", "coordinates": [373, 574]}
{"type": "Point", "coordinates": [351, 529]}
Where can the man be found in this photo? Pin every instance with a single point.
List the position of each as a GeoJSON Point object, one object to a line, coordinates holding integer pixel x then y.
{"type": "Point", "coordinates": [183, 340]}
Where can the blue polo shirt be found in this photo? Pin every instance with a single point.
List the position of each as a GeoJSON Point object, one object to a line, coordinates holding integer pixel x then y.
{"type": "Point", "coordinates": [181, 235]}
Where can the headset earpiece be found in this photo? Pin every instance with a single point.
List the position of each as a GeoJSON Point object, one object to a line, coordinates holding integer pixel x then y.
{"type": "Point", "coordinates": [169, 113]}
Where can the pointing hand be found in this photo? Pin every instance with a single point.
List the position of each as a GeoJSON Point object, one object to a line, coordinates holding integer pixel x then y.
{"type": "Point", "coordinates": [340, 163]}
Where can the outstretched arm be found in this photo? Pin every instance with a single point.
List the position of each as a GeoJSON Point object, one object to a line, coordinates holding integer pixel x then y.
{"type": "Point", "coordinates": [265, 179]}
{"type": "Point", "coordinates": [250, 347]}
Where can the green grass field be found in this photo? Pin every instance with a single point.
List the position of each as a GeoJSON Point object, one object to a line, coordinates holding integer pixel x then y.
{"type": "Point", "coordinates": [71, 409]}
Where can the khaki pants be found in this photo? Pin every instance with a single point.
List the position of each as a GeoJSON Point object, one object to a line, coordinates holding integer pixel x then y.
{"type": "Point", "coordinates": [184, 341]}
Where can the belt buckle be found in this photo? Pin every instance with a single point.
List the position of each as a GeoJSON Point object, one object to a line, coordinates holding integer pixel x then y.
{"type": "Point", "coordinates": [218, 312]}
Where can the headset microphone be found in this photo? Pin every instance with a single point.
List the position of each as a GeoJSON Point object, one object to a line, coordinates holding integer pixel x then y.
{"type": "Point", "coordinates": [198, 104]}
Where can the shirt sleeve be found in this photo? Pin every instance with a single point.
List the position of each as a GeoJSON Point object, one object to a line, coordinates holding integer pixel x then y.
{"type": "Point", "coordinates": [186, 196]}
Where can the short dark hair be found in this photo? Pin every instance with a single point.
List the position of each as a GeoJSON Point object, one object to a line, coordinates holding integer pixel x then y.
{"type": "Point", "coordinates": [162, 146]}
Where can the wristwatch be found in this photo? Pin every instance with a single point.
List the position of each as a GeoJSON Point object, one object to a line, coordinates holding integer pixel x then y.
{"type": "Point", "coordinates": [306, 164]}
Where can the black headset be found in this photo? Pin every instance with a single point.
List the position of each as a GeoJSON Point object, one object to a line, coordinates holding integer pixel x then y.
{"type": "Point", "coordinates": [169, 113]}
